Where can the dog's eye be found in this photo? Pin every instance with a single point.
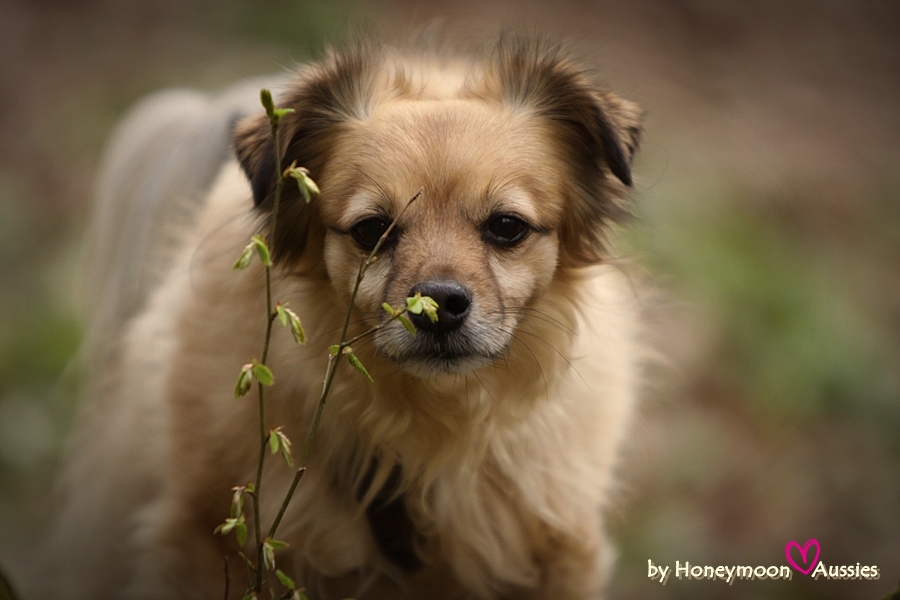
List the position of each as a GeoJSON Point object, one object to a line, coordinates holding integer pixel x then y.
{"type": "Point", "coordinates": [505, 230]}
{"type": "Point", "coordinates": [368, 231]}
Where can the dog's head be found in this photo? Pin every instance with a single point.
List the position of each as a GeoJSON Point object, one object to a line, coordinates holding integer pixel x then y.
{"type": "Point", "coordinates": [522, 163]}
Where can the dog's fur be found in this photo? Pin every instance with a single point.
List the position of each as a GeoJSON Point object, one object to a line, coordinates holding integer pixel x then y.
{"type": "Point", "coordinates": [480, 461]}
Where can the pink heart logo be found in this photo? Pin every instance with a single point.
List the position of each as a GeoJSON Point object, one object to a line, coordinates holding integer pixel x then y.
{"type": "Point", "coordinates": [804, 552]}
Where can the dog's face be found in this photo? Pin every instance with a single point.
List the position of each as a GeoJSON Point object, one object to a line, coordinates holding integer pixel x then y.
{"type": "Point", "coordinates": [515, 162]}
{"type": "Point", "coordinates": [481, 240]}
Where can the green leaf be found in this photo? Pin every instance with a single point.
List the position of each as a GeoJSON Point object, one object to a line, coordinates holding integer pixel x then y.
{"type": "Point", "coordinates": [263, 374]}
{"type": "Point", "coordinates": [237, 501]}
{"type": "Point", "coordinates": [236, 524]}
{"type": "Point", "coordinates": [269, 547]}
{"type": "Point", "coordinates": [268, 555]}
{"type": "Point", "coordinates": [280, 112]}
{"type": "Point", "coordinates": [244, 380]}
{"type": "Point", "coordinates": [405, 322]}
{"type": "Point", "coordinates": [285, 580]}
{"type": "Point", "coordinates": [226, 527]}
{"type": "Point", "coordinates": [356, 364]}
{"type": "Point", "coordinates": [388, 309]}
{"type": "Point", "coordinates": [246, 256]}
{"type": "Point", "coordinates": [273, 441]}
{"type": "Point", "coordinates": [334, 349]}
{"type": "Point", "coordinates": [285, 444]}
{"type": "Point", "coordinates": [296, 327]}
{"type": "Point", "coordinates": [305, 183]}
{"type": "Point", "coordinates": [240, 531]}
{"type": "Point", "coordinates": [262, 248]}
{"type": "Point", "coordinates": [430, 308]}
{"type": "Point", "coordinates": [419, 304]}
{"type": "Point", "coordinates": [414, 304]}
{"type": "Point", "coordinates": [278, 440]}
{"type": "Point", "coordinates": [282, 315]}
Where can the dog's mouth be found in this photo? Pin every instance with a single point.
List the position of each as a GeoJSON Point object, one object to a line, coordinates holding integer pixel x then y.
{"type": "Point", "coordinates": [430, 354]}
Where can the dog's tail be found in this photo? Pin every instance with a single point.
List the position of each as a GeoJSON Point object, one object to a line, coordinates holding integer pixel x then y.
{"type": "Point", "coordinates": [154, 174]}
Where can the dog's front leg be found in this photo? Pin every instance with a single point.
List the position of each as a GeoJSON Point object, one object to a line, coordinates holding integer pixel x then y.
{"type": "Point", "coordinates": [574, 567]}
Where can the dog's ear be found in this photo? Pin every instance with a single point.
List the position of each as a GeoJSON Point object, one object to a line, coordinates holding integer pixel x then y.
{"type": "Point", "coordinates": [597, 134]}
{"type": "Point", "coordinates": [324, 96]}
{"type": "Point", "coordinates": [253, 146]}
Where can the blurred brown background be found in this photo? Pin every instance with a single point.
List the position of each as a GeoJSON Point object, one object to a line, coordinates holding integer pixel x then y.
{"type": "Point", "coordinates": [768, 219]}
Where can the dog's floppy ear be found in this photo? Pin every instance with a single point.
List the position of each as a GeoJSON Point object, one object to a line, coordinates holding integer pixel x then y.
{"type": "Point", "coordinates": [596, 132]}
{"type": "Point", "coordinates": [324, 96]}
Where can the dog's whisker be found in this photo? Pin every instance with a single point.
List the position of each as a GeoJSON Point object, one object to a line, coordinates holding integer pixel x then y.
{"type": "Point", "coordinates": [536, 360]}
{"type": "Point", "coordinates": [560, 354]}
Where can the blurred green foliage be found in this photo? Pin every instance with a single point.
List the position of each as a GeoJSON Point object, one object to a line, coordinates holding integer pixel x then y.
{"type": "Point", "coordinates": [794, 339]}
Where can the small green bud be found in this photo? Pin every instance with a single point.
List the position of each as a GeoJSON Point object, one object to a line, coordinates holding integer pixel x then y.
{"type": "Point", "coordinates": [273, 441]}
{"type": "Point", "coordinates": [269, 547]}
{"type": "Point", "coordinates": [262, 248]}
{"type": "Point", "coordinates": [305, 183]}
{"type": "Point", "coordinates": [236, 524]}
{"type": "Point", "coordinates": [274, 114]}
{"type": "Point", "coordinates": [419, 304]}
{"type": "Point", "coordinates": [348, 351]}
{"type": "Point", "coordinates": [246, 256]}
{"type": "Point", "coordinates": [296, 326]}
{"type": "Point", "coordinates": [405, 322]}
{"type": "Point", "coordinates": [237, 501]}
{"type": "Point", "coordinates": [285, 580]}
{"type": "Point", "coordinates": [278, 440]}
{"type": "Point", "coordinates": [265, 97]}
{"type": "Point", "coordinates": [263, 374]}
{"type": "Point", "coordinates": [244, 380]}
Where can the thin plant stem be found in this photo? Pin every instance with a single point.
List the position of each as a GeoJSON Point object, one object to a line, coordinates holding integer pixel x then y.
{"type": "Point", "coordinates": [270, 318]}
{"type": "Point", "coordinates": [257, 578]}
{"type": "Point", "coordinates": [334, 362]}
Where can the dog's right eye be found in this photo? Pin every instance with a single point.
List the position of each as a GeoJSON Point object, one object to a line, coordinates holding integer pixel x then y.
{"type": "Point", "coordinates": [368, 231]}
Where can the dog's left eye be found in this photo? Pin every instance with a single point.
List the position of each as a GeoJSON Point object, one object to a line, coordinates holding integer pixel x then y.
{"type": "Point", "coordinates": [367, 232]}
{"type": "Point", "coordinates": [505, 230]}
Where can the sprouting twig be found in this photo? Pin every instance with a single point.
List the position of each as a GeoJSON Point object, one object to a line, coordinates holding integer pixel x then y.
{"type": "Point", "coordinates": [334, 360]}
{"type": "Point", "coordinates": [267, 546]}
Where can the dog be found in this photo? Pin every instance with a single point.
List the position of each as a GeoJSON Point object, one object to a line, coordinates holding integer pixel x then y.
{"type": "Point", "coordinates": [479, 461]}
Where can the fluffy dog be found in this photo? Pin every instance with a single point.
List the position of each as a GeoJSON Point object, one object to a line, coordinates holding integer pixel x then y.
{"type": "Point", "coordinates": [479, 462]}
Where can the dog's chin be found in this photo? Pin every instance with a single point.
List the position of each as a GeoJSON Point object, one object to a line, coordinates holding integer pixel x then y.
{"type": "Point", "coordinates": [428, 356]}
{"type": "Point", "coordinates": [435, 365]}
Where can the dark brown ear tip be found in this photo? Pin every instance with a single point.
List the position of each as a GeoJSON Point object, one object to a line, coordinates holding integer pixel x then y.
{"type": "Point", "coordinates": [617, 160]}
{"type": "Point", "coordinates": [252, 145]}
{"type": "Point", "coordinates": [623, 173]}
{"type": "Point", "coordinates": [261, 181]}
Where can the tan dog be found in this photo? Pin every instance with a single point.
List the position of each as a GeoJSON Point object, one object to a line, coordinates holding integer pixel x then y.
{"type": "Point", "coordinates": [480, 461]}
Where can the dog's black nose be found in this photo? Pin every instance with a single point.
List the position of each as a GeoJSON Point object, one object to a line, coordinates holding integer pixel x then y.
{"type": "Point", "coordinates": [453, 300]}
